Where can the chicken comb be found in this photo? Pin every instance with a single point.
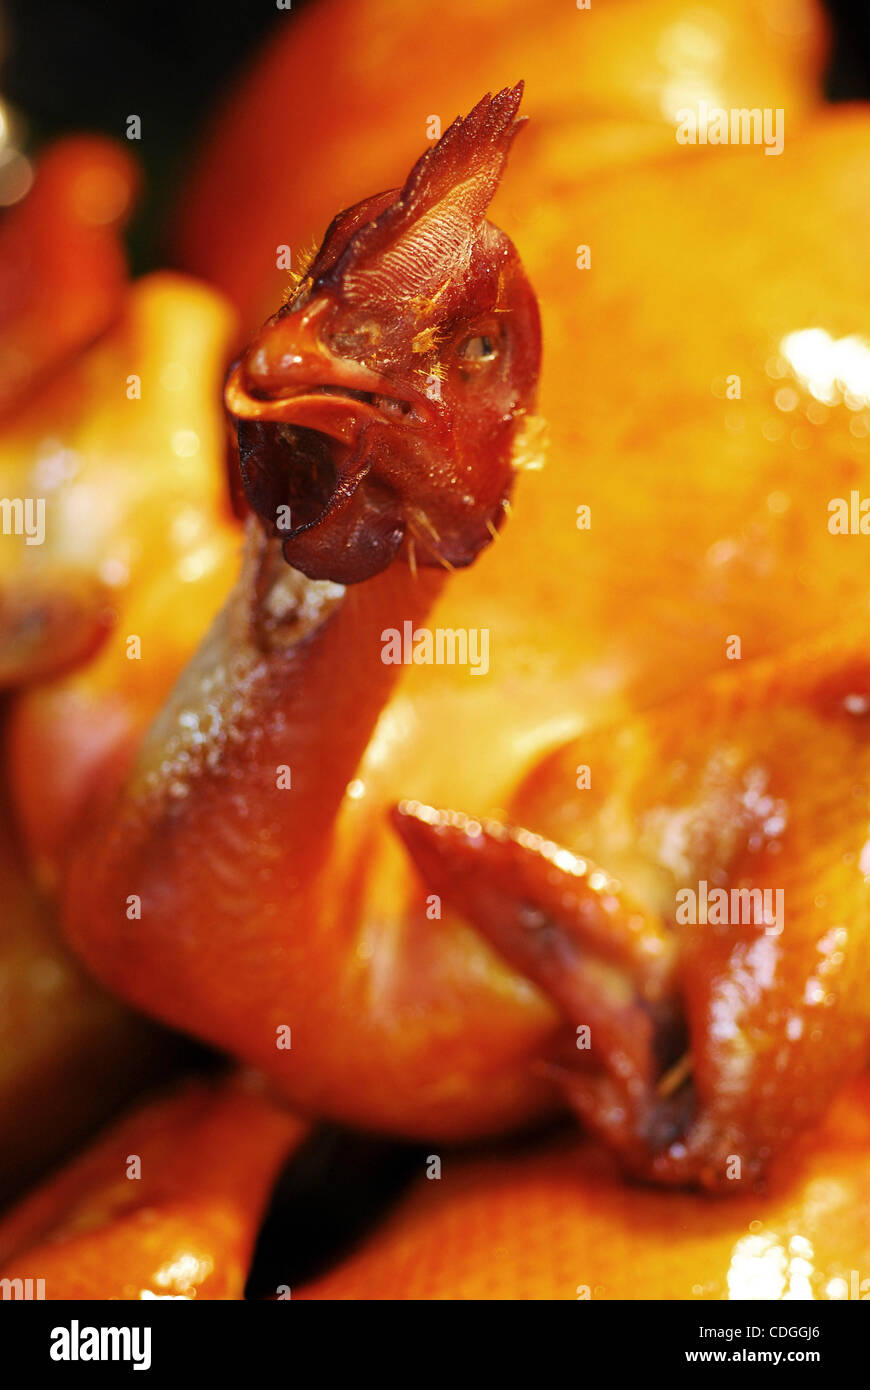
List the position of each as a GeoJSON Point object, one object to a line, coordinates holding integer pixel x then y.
{"type": "Point", "coordinates": [426, 230]}
{"type": "Point", "coordinates": [466, 164]}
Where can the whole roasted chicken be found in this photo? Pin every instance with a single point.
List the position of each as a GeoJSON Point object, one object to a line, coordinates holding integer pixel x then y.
{"type": "Point", "coordinates": [231, 884]}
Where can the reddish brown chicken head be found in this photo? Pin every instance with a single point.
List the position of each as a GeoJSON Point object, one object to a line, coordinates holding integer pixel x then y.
{"type": "Point", "coordinates": [397, 373]}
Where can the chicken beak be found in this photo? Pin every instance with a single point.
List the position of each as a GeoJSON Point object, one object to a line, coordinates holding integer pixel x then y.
{"type": "Point", "coordinates": [289, 376]}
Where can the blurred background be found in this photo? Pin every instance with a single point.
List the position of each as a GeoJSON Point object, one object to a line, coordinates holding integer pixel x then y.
{"type": "Point", "coordinates": [82, 65]}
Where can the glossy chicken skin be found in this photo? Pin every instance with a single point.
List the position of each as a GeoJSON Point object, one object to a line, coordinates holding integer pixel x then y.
{"type": "Point", "coordinates": [179, 1224]}
{"type": "Point", "coordinates": [716, 1036]}
{"type": "Point", "coordinates": [559, 1221]}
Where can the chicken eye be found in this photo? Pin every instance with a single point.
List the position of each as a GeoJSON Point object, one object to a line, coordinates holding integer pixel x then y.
{"type": "Point", "coordinates": [480, 348]}
{"type": "Point", "coordinates": [356, 341]}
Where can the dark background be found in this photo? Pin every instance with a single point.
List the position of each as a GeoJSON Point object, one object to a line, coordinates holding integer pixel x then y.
{"type": "Point", "coordinates": [88, 64]}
